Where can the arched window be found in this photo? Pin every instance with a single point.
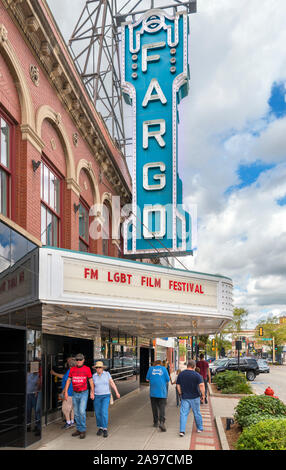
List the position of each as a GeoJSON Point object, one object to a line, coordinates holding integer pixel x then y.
{"type": "Point", "coordinates": [106, 230]}
{"type": "Point", "coordinates": [83, 226]}
{"type": "Point", "coordinates": [50, 205]}
{"type": "Point", "coordinates": [6, 130]}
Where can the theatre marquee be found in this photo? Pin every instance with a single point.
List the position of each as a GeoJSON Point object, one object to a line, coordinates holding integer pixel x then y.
{"type": "Point", "coordinates": [135, 292]}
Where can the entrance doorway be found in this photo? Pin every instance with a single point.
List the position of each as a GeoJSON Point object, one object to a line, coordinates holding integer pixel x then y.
{"type": "Point", "coordinates": [146, 358]}
{"type": "Point", "coordinates": [12, 387]}
{"type": "Point", "coordinates": [56, 350]}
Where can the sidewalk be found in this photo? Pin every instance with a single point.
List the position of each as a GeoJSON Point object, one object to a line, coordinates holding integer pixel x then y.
{"type": "Point", "coordinates": [131, 428]}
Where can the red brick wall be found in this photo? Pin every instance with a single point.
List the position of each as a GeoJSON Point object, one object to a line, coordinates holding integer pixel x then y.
{"type": "Point", "coordinates": [26, 183]}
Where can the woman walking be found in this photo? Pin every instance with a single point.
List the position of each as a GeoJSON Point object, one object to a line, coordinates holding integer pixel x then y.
{"type": "Point", "coordinates": [102, 383]}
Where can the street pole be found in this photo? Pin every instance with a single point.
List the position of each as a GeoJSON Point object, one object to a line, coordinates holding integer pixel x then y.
{"type": "Point", "coordinates": [273, 350]}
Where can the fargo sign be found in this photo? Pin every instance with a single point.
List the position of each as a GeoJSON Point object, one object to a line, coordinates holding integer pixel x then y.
{"type": "Point", "coordinates": [154, 80]}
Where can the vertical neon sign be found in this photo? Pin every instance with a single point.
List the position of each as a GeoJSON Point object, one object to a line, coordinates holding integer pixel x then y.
{"type": "Point", "coordinates": [155, 79]}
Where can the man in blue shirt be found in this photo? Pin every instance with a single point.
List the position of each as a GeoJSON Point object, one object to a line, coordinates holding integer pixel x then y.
{"type": "Point", "coordinates": [189, 385]}
{"type": "Point", "coordinates": [158, 378]}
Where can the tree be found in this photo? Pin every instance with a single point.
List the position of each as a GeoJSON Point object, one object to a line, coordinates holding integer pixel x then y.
{"type": "Point", "coordinates": [239, 321]}
{"type": "Point", "coordinates": [273, 329]}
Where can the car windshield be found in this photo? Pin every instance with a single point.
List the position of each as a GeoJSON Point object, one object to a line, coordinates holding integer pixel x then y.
{"type": "Point", "coordinates": [220, 362]}
{"type": "Point", "coordinates": [262, 362]}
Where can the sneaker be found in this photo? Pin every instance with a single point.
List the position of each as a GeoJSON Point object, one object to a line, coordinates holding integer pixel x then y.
{"type": "Point", "coordinates": [155, 425]}
{"type": "Point", "coordinates": [182, 434]}
{"type": "Point", "coordinates": [162, 427]}
{"type": "Point", "coordinates": [76, 433]}
{"type": "Point", "coordinates": [200, 430]}
{"type": "Point", "coordinates": [105, 433]}
{"type": "Point", "coordinates": [82, 435]}
{"type": "Point", "coordinates": [67, 426]}
{"type": "Point", "coordinates": [99, 432]}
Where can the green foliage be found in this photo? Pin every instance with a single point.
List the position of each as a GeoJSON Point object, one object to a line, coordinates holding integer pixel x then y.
{"type": "Point", "coordinates": [273, 329]}
{"type": "Point", "coordinates": [258, 404]}
{"type": "Point", "coordinates": [269, 434]}
{"type": "Point", "coordinates": [239, 318]}
{"type": "Point", "coordinates": [231, 382]}
{"type": "Point", "coordinates": [255, 418]}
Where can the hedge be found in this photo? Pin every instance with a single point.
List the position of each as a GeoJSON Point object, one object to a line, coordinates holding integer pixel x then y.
{"type": "Point", "coordinates": [231, 382]}
{"type": "Point", "coordinates": [269, 434]}
{"type": "Point", "coordinates": [261, 405]}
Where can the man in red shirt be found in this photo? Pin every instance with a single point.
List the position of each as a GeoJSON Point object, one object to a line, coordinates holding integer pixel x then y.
{"type": "Point", "coordinates": [79, 376]}
{"type": "Point", "coordinates": [205, 373]}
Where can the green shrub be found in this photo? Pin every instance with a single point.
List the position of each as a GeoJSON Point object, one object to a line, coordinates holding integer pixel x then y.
{"type": "Point", "coordinates": [255, 418]}
{"type": "Point", "coordinates": [258, 404]}
{"type": "Point", "coordinates": [243, 388]}
{"type": "Point", "coordinates": [232, 382]}
{"type": "Point", "coordinates": [269, 434]}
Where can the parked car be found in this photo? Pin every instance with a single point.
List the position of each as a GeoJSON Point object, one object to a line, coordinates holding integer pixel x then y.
{"type": "Point", "coordinates": [211, 359]}
{"type": "Point", "coordinates": [217, 364]}
{"type": "Point", "coordinates": [263, 366]}
{"type": "Point", "coordinates": [248, 365]}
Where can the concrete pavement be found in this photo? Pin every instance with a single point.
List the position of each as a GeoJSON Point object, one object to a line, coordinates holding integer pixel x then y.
{"type": "Point", "coordinates": [131, 427]}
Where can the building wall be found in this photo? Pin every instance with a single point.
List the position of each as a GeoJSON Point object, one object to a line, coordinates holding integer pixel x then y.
{"type": "Point", "coordinates": [44, 127]}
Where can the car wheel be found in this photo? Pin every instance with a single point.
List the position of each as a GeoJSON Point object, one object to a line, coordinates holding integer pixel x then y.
{"type": "Point", "coordinates": [250, 375]}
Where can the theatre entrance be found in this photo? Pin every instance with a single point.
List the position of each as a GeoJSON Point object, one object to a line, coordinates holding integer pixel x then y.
{"type": "Point", "coordinates": [146, 359]}
{"type": "Point", "coordinates": [56, 350]}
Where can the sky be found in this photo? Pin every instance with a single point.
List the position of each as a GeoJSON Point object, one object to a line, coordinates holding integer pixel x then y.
{"type": "Point", "coordinates": [232, 144]}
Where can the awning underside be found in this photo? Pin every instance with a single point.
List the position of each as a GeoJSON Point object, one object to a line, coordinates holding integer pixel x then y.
{"type": "Point", "coordinates": [85, 321]}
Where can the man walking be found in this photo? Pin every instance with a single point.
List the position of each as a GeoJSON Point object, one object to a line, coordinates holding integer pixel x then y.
{"type": "Point", "coordinates": [189, 385]}
{"type": "Point", "coordinates": [205, 373]}
{"type": "Point", "coordinates": [78, 376]}
{"type": "Point", "coordinates": [158, 378]}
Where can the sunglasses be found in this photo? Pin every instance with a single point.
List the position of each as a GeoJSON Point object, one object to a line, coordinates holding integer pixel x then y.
{"type": "Point", "coordinates": [78, 360]}
{"type": "Point", "coordinates": [99, 367]}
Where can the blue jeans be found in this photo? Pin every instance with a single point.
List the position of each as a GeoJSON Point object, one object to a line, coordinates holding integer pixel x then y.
{"type": "Point", "coordinates": [186, 406]}
{"type": "Point", "coordinates": [79, 401]}
{"type": "Point", "coordinates": [101, 404]}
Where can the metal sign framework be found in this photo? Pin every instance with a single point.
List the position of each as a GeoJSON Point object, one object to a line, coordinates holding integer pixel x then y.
{"type": "Point", "coordinates": [95, 46]}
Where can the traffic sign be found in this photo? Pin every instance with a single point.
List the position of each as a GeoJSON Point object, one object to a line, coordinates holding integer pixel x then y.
{"type": "Point", "coordinates": [266, 339]}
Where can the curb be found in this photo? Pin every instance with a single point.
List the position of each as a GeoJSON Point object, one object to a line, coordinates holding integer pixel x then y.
{"type": "Point", "coordinates": [221, 434]}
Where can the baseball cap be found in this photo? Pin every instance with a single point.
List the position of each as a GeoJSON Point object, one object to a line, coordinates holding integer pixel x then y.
{"type": "Point", "coordinates": [79, 356]}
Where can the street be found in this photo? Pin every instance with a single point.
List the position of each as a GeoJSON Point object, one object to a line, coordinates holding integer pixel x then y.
{"type": "Point", "coordinates": [276, 379]}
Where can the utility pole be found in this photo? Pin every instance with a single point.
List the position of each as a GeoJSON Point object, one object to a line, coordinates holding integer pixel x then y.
{"type": "Point", "coordinates": [273, 350]}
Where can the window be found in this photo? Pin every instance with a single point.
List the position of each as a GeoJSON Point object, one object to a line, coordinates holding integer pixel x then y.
{"type": "Point", "coordinates": [50, 206]}
{"type": "Point", "coordinates": [5, 166]}
{"type": "Point", "coordinates": [83, 227]}
{"type": "Point", "coordinates": [106, 231]}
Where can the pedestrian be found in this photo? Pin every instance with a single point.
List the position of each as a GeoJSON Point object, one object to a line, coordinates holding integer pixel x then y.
{"type": "Point", "coordinates": [189, 385]}
{"type": "Point", "coordinates": [67, 405]}
{"type": "Point", "coordinates": [158, 377]}
{"type": "Point", "coordinates": [205, 373]}
{"type": "Point", "coordinates": [79, 376]}
{"type": "Point", "coordinates": [174, 376]}
{"type": "Point", "coordinates": [102, 382]}
{"type": "Point", "coordinates": [167, 365]}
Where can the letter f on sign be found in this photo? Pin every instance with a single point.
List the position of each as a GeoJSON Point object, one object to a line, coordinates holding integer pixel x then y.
{"type": "Point", "coordinates": [151, 58]}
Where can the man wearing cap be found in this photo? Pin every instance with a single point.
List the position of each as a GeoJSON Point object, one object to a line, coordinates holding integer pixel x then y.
{"type": "Point", "coordinates": [102, 394]}
{"type": "Point", "coordinates": [78, 376]}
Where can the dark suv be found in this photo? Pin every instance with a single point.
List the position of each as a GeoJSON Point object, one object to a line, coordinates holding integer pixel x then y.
{"type": "Point", "coordinates": [248, 365]}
